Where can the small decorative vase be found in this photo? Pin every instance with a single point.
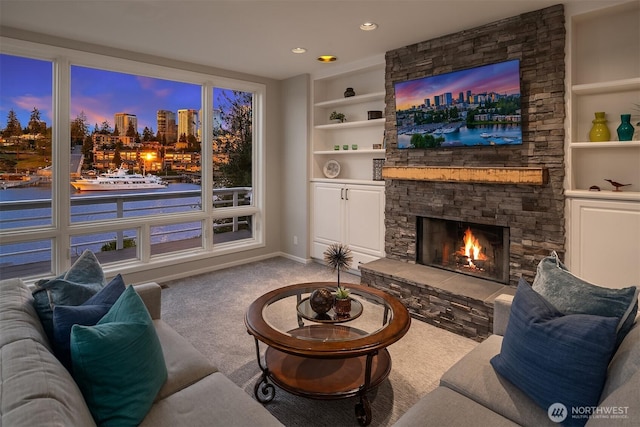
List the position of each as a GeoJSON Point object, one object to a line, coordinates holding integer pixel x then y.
{"type": "Point", "coordinates": [321, 300]}
{"type": "Point", "coordinates": [349, 92]}
{"type": "Point", "coordinates": [599, 131]}
{"type": "Point", "coordinates": [342, 307]}
{"type": "Point", "coordinates": [626, 129]}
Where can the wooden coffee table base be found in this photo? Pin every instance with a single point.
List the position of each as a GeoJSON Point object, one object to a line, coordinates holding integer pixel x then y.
{"type": "Point", "coordinates": [324, 378]}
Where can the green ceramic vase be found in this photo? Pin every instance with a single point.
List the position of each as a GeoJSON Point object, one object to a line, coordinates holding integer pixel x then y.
{"type": "Point", "coordinates": [626, 129]}
{"type": "Point", "coordinates": [599, 131]}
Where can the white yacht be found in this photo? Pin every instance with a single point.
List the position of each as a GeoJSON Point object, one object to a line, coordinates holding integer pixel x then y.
{"type": "Point", "coordinates": [119, 180]}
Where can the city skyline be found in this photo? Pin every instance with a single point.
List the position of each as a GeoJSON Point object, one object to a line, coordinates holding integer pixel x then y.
{"type": "Point", "coordinates": [26, 84]}
{"type": "Point", "coordinates": [503, 78]}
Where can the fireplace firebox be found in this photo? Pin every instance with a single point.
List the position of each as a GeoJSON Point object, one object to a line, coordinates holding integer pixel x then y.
{"type": "Point", "coordinates": [475, 249]}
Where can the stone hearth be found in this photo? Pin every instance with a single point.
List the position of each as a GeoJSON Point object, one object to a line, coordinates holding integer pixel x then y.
{"type": "Point", "coordinates": [456, 302]}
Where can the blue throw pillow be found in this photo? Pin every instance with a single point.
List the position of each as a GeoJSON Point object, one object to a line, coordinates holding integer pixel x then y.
{"type": "Point", "coordinates": [118, 363]}
{"type": "Point", "coordinates": [83, 280]}
{"type": "Point", "coordinates": [87, 314]}
{"type": "Point", "coordinates": [555, 358]}
{"type": "Point", "coordinates": [572, 295]}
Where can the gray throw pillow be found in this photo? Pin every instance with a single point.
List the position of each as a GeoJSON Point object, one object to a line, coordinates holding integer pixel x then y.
{"type": "Point", "coordinates": [83, 280]}
{"type": "Point", "coordinates": [573, 295]}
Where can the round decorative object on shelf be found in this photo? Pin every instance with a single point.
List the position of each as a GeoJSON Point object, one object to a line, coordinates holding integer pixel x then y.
{"type": "Point", "coordinates": [321, 300]}
{"type": "Point", "coordinates": [349, 92]}
{"type": "Point", "coordinates": [626, 129]}
{"type": "Point", "coordinates": [331, 169]}
{"type": "Point", "coordinates": [599, 131]}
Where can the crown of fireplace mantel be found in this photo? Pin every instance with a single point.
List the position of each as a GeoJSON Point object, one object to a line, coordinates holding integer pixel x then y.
{"type": "Point", "coordinates": [485, 175]}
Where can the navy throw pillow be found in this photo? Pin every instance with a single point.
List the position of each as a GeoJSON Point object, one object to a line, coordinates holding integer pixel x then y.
{"type": "Point", "coordinates": [87, 314]}
{"type": "Point", "coordinates": [555, 358]}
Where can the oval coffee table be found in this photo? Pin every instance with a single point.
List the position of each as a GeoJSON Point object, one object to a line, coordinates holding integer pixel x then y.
{"type": "Point", "coordinates": [325, 357]}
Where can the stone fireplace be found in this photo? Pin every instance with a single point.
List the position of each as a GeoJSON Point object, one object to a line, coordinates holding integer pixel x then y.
{"type": "Point", "coordinates": [517, 189]}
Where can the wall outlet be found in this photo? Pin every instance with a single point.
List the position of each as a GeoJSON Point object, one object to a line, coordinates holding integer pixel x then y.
{"type": "Point", "coordinates": [295, 240]}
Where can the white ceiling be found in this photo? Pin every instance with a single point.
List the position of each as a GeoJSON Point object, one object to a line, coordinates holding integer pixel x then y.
{"type": "Point", "coordinates": [256, 36]}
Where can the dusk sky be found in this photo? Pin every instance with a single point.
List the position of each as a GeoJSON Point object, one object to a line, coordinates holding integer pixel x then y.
{"type": "Point", "coordinates": [27, 83]}
{"type": "Point", "coordinates": [503, 78]}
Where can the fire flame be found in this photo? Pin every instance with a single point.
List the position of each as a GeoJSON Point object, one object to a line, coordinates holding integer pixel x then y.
{"type": "Point", "coordinates": [472, 248]}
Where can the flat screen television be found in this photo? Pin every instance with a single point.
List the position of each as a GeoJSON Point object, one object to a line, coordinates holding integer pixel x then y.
{"type": "Point", "coordinates": [467, 108]}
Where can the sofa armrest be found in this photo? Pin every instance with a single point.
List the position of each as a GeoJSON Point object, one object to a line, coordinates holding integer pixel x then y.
{"type": "Point", "coordinates": [501, 313]}
{"type": "Point", "coordinates": [151, 296]}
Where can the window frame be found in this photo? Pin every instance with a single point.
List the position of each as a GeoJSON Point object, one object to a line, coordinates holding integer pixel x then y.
{"type": "Point", "coordinates": [62, 230]}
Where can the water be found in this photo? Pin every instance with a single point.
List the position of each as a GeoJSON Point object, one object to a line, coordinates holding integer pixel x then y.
{"type": "Point", "coordinates": [468, 137]}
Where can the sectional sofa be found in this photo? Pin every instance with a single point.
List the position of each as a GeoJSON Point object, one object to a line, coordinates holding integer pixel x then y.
{"type": "Point", "coordinates": [472, 393]}
{"type": "Point", "coordinates": [37, 390]}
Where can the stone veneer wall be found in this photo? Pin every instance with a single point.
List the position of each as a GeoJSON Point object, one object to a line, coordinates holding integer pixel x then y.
{"type": "Point", "coordinates": [535, 214]}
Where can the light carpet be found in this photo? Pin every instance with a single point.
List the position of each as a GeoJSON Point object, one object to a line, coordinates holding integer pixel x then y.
{"type": "Point", "coordinates": [209, 310]}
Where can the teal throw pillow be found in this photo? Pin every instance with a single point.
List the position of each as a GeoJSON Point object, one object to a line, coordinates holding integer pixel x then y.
{"type": "Point", "coordinates": [87, 314]}
{"type": "Point", "coordinates": [83, 280]}
{"type": "Point", "coordinates": [572, 295]}
{"type": "Point", "coordinates": [555, 358]}
{"type": "Point", "coordinates": [118, 363]}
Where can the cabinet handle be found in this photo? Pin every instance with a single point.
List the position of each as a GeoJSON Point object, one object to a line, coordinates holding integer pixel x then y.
{"type": "Point", "coordinates": [342, 194]}
{"type": "Point", "coordinates": [346, 194]}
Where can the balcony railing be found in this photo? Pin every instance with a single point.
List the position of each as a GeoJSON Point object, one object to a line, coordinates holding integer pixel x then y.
{"type": "Point", "coordinates": [107, 206]}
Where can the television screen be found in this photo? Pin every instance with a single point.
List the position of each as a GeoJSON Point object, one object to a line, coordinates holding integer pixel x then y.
{"type": "Point", "coordinates": [473, 107]}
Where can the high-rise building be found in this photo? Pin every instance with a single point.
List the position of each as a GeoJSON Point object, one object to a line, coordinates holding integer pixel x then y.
{"type": "Point", "coordinates": [122, 121]}
{"type": "Point", "coordinates": [188, 123]}
{"type": "Point", "coordinates": [166, 121]}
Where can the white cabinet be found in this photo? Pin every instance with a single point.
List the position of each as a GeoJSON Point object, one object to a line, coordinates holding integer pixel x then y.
{"type": "Point", "coordinates": [359, 131]}
{"type": "Point", "coordinates": [605, 244]}
{"type": "Point", "coordinates": [349, 214]}
{"type": "Point", "coordinates": [603, 239]}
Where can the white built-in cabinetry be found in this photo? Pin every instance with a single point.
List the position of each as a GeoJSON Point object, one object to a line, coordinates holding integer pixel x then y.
{"type": "Point", "coordinates": [604, 75]}
{"type": "Point", "coordinates": [350, 214]}
{"type": "Point", "coordinates": [348, 208]}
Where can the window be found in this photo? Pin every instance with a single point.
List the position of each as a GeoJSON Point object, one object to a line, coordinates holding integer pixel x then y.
{"type": "Point", "coordinates": [127, 142]}
{"type": "Point", "coordinates": [139, 189]}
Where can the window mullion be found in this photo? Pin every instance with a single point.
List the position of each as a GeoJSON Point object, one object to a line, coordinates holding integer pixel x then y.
{"type": "Point", "coordinates": [61, 157]}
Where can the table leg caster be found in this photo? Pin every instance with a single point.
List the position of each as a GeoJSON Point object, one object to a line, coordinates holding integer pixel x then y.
{"type": "Point", "coordinates": [363, 411]}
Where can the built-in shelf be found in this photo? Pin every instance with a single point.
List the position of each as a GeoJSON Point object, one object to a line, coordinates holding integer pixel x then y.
{"type": "Point", "coordinates": [605, 145]}
{"type": "Point", "coordinates": [353, 152]}
{"type": "Point", "coordinates": [607, 87]}
{"type": "Point", "coordinates": [356, 124]}
{"type": "Point", "coordinates": [358, 99]}
{"type": "Point", "coordinates": [631, 196]}
{"type": "Point", "coordinates": [349, 181]}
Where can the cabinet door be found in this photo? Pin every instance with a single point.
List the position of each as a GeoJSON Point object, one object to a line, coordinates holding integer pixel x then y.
{"type": "Point", "coordinates": [605, 242]}
{"type": "Point", "coordinates": [328, 208]}
{"type": "Point", "coordinates": [364, 219]}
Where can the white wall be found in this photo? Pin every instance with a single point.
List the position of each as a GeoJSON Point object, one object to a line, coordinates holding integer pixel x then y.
{"type": "Point", "coordinates": [294, 185]}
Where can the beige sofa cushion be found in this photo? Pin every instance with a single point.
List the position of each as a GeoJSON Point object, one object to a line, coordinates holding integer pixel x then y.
{"type": "Point", "coordinates": [18, 318]}
{"type": "Point", "coordinates": [474, 377]}
{"type": "Point", "coordinates": [37, 390]}
{"type": "Point", "coordinates": [445, 407]}
{"type": "Point", "coordinates": [213, 401]}
{"type": "Point", "coordinates": [185, 364]}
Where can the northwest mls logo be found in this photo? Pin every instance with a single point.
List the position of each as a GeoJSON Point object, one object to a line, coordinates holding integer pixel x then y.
{"type": "Point", "coordinates": [557, 412]}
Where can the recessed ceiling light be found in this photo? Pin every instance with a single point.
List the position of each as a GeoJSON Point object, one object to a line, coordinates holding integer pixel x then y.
{"type": "Point", "coordinates": [368, 26]}
{"type": "Point", "coordinates": [298, 50]}
{"type": "Point", "coordinates": [327, 58]}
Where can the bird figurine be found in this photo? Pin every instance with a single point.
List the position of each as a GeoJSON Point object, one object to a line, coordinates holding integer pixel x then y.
{"type": "Point", "coordinates": [617, 185]}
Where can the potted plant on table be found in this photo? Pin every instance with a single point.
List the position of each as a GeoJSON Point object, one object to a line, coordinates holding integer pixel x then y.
{"type": "Point", "coordinates": [338, 257]}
